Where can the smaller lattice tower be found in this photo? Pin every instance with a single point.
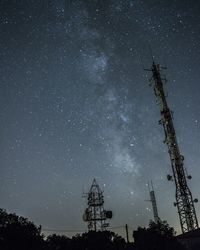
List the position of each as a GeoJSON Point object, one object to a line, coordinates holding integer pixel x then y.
{"type": "Point", "coordinates": [153, 202]}
{"type": "Point", "coordinates": [94, 214]}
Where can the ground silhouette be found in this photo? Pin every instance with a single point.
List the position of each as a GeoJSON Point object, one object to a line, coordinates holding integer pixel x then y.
{"type": "Point", "coordinates": [156, 237]}
{"type": "Point", "coordinates": [17, 232]}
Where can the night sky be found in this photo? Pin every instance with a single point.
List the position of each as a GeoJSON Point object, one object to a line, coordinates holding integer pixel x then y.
{"type": "Point", "coordinates": [76, 105]}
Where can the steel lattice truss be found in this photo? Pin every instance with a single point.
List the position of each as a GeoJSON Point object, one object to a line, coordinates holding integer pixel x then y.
{"type": "Point", "coordinates": [184, 200]}
{"type": "Point", "coordinates": [95, 214]}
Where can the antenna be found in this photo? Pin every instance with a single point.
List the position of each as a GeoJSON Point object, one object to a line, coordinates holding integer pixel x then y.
{"type": "Point", "coordinates": [153, 202]}
{"type": "Point", "coordinates": [151, 52]}
{"type": "Point", "coordinates": [94, 214]}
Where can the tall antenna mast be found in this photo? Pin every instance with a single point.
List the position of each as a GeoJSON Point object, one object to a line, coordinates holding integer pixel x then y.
{"type": "Point", "coordinates": [153, 202]}
{"type": "Point", "coordinates": [184, 200]}
{"type": "Point", "coordinates": [95, 215]}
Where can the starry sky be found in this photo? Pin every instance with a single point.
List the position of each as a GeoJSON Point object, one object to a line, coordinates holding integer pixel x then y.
{"type": "Point", "coordinates": [76, 105]}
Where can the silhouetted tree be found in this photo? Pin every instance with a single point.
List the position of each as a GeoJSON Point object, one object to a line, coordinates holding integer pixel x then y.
{"type": "Point", "coordinates": [17, 232]}
{"type": "Point", "coordinates": [57, 242]}
{"type": "Point", "coordinates": [156, 237]}
{"type": "Point", "coordinates": [196, 246]}
{"type": "Point", "coordinates": [105, 240]}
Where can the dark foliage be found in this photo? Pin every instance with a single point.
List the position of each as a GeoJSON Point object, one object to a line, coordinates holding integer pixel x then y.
{"type": "Point", "coordinates": [57, 242]}
{"type": "Point", "coordinates": [98, 240]}
{"type": "Point", "coordinates": [195, 246]}
{"type": "Point", "coordinates": [17, 232]}
{"type": "Point", "coordinates": [91, 241]}
{"type": "Point", "coordinates": [156, 237]}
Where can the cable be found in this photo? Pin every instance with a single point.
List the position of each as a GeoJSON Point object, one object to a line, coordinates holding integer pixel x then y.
{"type": "Point", "coordinates": [74, 230]}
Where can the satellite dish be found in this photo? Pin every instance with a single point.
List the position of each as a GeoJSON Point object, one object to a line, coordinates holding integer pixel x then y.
{"type": "Point", "coordinates": [169, 177]}
{"type": "Point", "coordinates": [109, 214]}
{"type": "Point", "coordinates": [85, 217]}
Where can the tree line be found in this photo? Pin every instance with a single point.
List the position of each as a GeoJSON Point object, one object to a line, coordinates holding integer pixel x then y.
{"type": "Point", "coordinates": [17, 232]}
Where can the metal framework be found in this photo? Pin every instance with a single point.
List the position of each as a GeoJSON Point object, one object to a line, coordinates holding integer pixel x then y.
{"type": "Point", "coordinates": [153, 202]}
{"type": "Point", "coordinates": [95, 215]}
{"type": "Point", "coordinates": [184, 199]}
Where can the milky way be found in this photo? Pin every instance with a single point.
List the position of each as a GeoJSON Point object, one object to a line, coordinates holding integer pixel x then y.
{"type": "Point", "coordinates": [75, 104]}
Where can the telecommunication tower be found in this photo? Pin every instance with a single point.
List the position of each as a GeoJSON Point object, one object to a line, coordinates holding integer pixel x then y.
{"type": "Point", "coordinates": [153, 202]}
{"type": "Point", "coordinates": [94, 214]}
{"type": "Point", "coordinates": [184, 199]}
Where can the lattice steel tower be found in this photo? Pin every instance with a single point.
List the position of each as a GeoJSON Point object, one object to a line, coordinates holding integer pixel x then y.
{"type": "Point", "coordinates": [95, 215]}
{"type": "Point", "coordinates": [184, 200]}
{"type": "Point", "coordinates": [153, 202]}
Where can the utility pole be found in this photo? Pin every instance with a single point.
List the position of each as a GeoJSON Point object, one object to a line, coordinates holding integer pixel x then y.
{"type": "Point", "coordinates": [127, 236]}
{"type": "Point", "coordinates": [184, 199]}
